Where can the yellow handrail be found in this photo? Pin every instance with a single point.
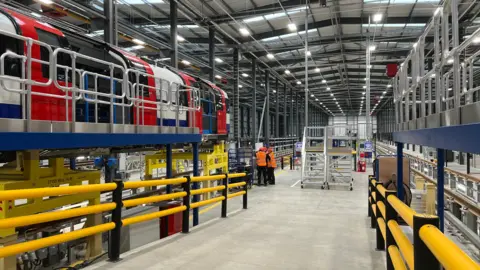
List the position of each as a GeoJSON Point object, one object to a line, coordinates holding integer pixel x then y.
{"type": "Point", "coordinates": [151, 183]}
{"type": "Point", "coordinates": [239, 184]}
{"type": "Point", "coordinates": [396, 258]}
{"type": "Point", "coordinates": [205, 202]}
{"type": "Point", "coordinates": [205, 190]}
{"type": "Point", "coordinates": [381, 225]}
{"type": "Point", "coordinates": [207, 178]}
{"type": "Point", "coordinates": [382, 190]}
{"type": "Point", "coordinates": [53, 240]}
{"type": "Point", "coordinates": [240, 193]}
{"type": "Point", "coordinates": [402, 209]}
{"type": "Point", "coordinates": [381, 206]}
{"type": "Point", "coordinates": [159, 214]}
{"type": "Point", "coordinates": [236, 175]}
{"type": "Point", "coordinates": [446, 252]}
{"type": "Point", "coordinates": [14, 222]}
{"type": "Point", "coordinates": [153, 199]}
{"type": "Point", "coordinates": [402, 242]}
{"type": "Point", "coordinates": [32, 193]}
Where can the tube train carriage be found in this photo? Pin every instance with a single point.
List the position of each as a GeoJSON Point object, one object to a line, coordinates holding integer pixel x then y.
{"type": "Point", "coordinates": [75, 78]}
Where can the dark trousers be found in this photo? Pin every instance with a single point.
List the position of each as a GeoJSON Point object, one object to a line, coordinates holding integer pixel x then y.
{"type": "Point", "coordinates": [262, 170]}
{"type": "Point", "coordinates": [271, 176]}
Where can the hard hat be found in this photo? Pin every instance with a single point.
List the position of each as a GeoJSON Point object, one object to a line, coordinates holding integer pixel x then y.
{"type": "Point", "coordinates": [270, 149]}
{"type": "Point", "coordinates": [263, 148]}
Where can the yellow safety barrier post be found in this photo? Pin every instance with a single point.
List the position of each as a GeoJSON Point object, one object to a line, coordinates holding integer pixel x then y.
{"type": "Point", "coordinates": [390, 214]}
{"type": "Point", "coordinates": [380, 200]}
{"type": "Point", "coordinates": [423, 257]}
{"type": "Point", "coordinates": [225, 194]}
{"type": "Point", "coordinates": [370, 178]}
{"type": "Point", "coordinates": [115, 234]}
{"type": "Point", "coordinates": [186, 203]}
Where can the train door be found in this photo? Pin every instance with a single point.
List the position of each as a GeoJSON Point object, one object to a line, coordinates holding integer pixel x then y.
{"type": "Point", "coordinates": [209, 109]}
{"type": "Point", "coordinates": [192, 100]}
{"type": "Point", "coordinates": [221, 114]}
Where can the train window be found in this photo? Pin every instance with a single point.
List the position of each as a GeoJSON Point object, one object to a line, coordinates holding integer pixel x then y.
{"type": "Point", "coordinates": [227, 103]}
{"type": "Point", "coordinates": [55, 42]}
{"type": "Point", "coordinates": [12, 66]}
{"type": "Point", "coordinates": [142, 79]}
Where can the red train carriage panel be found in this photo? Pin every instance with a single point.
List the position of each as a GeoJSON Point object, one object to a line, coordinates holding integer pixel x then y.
{"type": "Point", "coordinates": [43, 108]}
{"type": "Point", "coordinates": [190, 81]}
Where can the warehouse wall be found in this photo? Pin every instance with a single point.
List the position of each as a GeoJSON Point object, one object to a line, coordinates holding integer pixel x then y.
{"type": "Point", "coordinates": [358, 123]}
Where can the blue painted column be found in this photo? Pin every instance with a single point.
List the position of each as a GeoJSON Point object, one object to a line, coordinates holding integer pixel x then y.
{"type": "Point", "coordinates": [196, 172]}
{"type": "Point", "coordinates": [400, 171]}
{"type": "Point", "coordinates": [440, 187]}
{"type": "Point", "coordinates": [169, 166]}
{"type": "Point", "coordinates": [73, 163]}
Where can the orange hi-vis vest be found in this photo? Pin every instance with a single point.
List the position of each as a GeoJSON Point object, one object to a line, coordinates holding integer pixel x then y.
{"type": "Point", "coordinates": [272, 163]}
{"type": "Point", "coordinates": [261, 159]}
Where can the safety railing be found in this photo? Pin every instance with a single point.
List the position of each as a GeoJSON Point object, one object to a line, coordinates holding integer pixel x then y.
{"type": "Point", "coordinates": [187, 194]}
{"type": "Point", "coordinates": [62, 74]}
{"type": "Point", "coordinates": [430, 248]}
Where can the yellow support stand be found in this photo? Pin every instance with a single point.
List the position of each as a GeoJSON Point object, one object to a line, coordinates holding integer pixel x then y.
{"type": "Point", "coordinates": [27, 173]}
{"type": "Point", "coordinates": [216, 159]}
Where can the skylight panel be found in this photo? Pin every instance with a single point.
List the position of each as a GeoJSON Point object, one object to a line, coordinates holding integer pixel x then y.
{"type": "Point", "coordinates": [140, 2]}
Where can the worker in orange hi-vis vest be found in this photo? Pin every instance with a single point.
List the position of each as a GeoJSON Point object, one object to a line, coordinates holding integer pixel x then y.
{"type": "Point", "coordinates": [262, 165]}
{"type": "Point", "coordinates": [271, 165]}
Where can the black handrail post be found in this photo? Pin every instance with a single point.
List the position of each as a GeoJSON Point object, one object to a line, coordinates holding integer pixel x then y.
{"type": "Point", "coordinates": [281, 162]}
{"type": "Point", "coordinates": [291, 162]}
{"type": "Point", "coordinates": [423, 258]}
{"type": "Point", "coordinates": [391, 214]}
{"type": "Point", "coordinates": [225, 194]}
{"type": "Point", "coordinates": [379, 198]}
{"type": "Point", "coordinates": [369, 189]}
{"type": "Point", "coordinates": [186, 203]}
{"type": "Point", "coordinates": [115, 234]}
{"type": "Point", "coordinates": [245, 196]}
{"type": "Point", "coordinates": [372, 216]}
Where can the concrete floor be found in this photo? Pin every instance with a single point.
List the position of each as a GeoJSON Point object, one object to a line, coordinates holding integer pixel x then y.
{"type": "Point", "coordinates": [284, 228]}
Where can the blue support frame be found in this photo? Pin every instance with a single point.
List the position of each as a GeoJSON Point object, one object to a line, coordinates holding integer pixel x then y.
{"type": "Point", "coordinates": [196, 172]}
{"type": "Point", "coordinates": [169, 166]}
{"type": "Point", "coordinates": [400, 191]}
{"type": "Point", "coordinates": [440, 187]}
{"type": "Point", "coordinates": [13, 141]}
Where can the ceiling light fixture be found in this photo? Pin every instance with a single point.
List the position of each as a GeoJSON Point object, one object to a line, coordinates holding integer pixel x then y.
{"type": "Point", "coordinates": [299, 82]}
{"type": "Point", "coordinates": [240, 86]}
{"type": "Point", "coordinates": [218, 60]}
{"type": "Point", "coordinates": [185, 62]}
{"type": "Point", "coordinates": [364, 87]}
{"type": "Point", "coordinates": [389, 85]}
{"type": "Point", "coordinates": [450, 61]}
{"type": "Point", "coordinates": [324, 81]}
{"type": "Point", "coordinates": [47, 2]}
{"type": "Point", "coordinates": [287, 71]}
{"type": "Point", "coordinates": [138, 41]}
{"type": "Point", "coordinates": [309, 53]}
{"type": "Point", "coordinates": [372, 48]}
{"type": "Point", "coordinates": [317, 70]}
{"type": "Point", "coordinates": [270, 56]}
{"type": "Point", "coordinates": [244, 31]}
{"type": "Point", "coordinates": [245, 75]}
{"type": "Point", "coordinates": [328, 88]}
{"type": "Point", "coordinates": [218, 76]}
{"type": "Point", "coordinates": [180, 38]}
{"type": "Point", "coordinates": [292, 27]}
{"type": "Point", "coordinates": [377, 17]}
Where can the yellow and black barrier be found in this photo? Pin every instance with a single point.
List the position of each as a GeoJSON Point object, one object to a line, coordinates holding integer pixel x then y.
{"type": "Point", "coordinates": [115, 207]}
{"type": "Point", "coordinates": [430, 248]}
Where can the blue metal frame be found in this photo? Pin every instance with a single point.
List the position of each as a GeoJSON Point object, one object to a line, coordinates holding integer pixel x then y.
{"type": "Point", "coordinates": [196, 172]}
{"type": "Point", "coordinates": [440, 187]}
{"type": "Point", "coordinates": [400, 171]}
{"type": "Point", "coordinates": [444, 137]}
{"type": "Point", "coordinates": [11, 141]}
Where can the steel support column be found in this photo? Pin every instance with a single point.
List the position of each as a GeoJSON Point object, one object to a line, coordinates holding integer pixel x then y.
{"type": "Point", "coordinates": [297, 115]}
{"type": "Point", "coordinates": [236, 95]}
{"type": "Point", "coordinates": [108, 11]}
{"type": "Point", "coordinates": [277, 108]}
{"type": "Point", "coordinates": [254, 104]}
{"type": "Point", "coordinates": [211, 52]}
{"type": "Point", "coordinates": [173, 34]}
{"type": "Point", "coordinates": [285, 111]}
{"type": "Point", "coordinates": [290, 101]}
{"type": "Point", "coordinates": [267, 108]}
